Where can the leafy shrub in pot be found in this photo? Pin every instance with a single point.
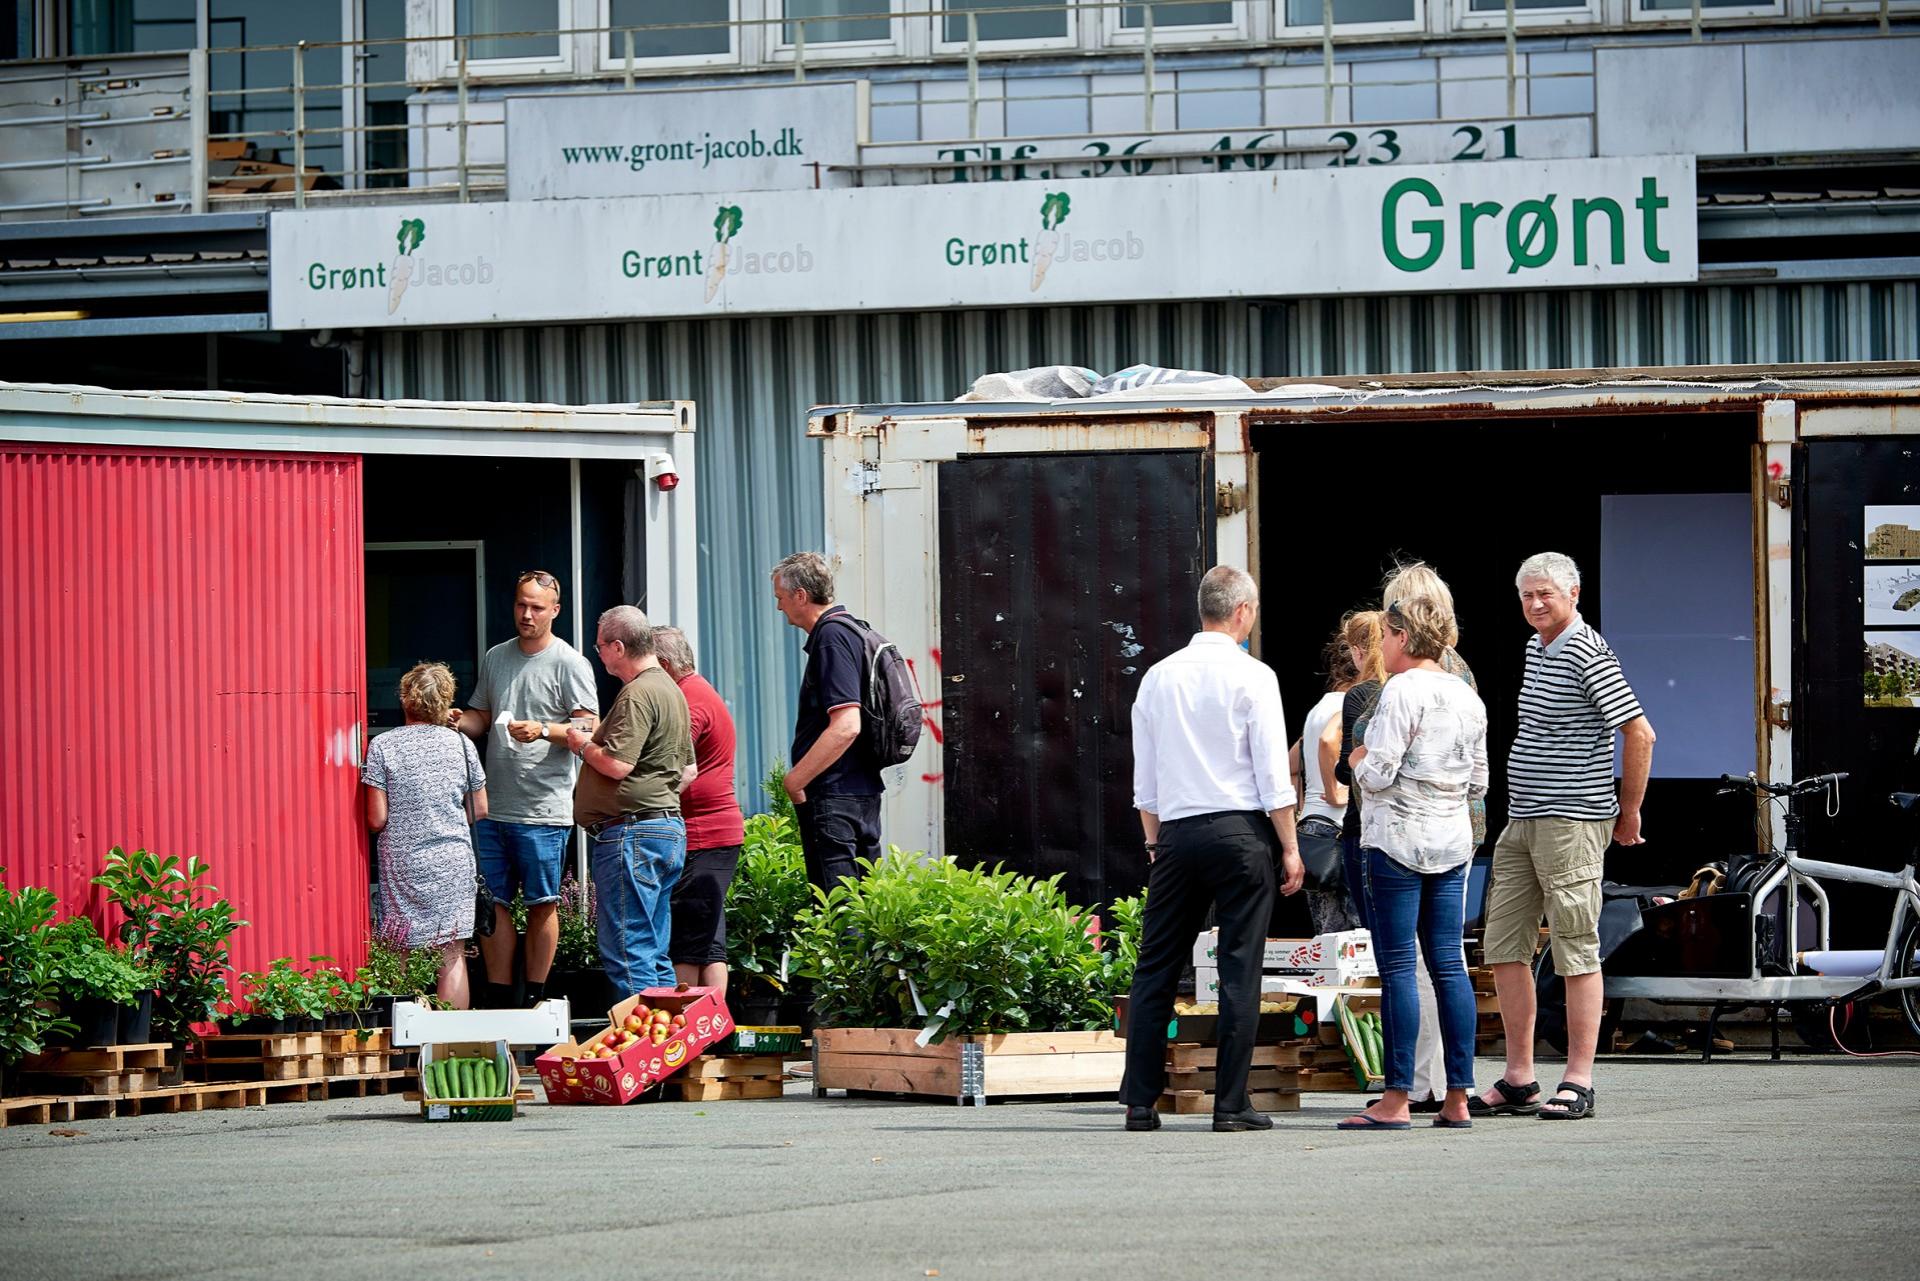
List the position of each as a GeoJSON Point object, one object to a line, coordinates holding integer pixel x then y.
{"type": "Point", "coordinates": [100, 986]}
{"type": "Point", "coordinates": [764, 903]}
{"type": "Point", "coordinates": [929, 943]}
{"type": "Point", "coordinates": [28, 1014]}
{"type": "Point", "coordinates": [177, 923]}
{"type": "Point", "coordinates": [281, 999]}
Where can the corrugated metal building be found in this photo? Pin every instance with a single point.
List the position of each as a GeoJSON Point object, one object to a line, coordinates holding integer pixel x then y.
{"type": "Point", "coordinates": [754, 381]}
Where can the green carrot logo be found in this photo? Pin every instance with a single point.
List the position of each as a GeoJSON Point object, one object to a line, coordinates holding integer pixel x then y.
{"type": "Point", "coordinates": [726, 225]}
{"type": "Point", "coordinates": [412, 232]}
{"type": "Point", "coordinates": [1053, 212]}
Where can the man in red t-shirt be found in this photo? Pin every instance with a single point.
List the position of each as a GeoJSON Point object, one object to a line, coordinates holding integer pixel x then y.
{"type": "Point", "coordinates": [714, 826]}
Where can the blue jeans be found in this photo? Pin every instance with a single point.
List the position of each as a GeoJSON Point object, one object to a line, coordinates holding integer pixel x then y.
{"type": "Point", "coordinates": [635, 866]}
{"type": "Point", "coordinates": [528, 857]}
{"type": "Point", "coordinates": [1403, 901]}
{"type": "Point", "coordinates": [1355, 867]}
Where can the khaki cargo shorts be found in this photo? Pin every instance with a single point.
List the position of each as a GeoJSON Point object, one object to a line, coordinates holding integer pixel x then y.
{"type": "Point", "coordinates": [1547, 867]}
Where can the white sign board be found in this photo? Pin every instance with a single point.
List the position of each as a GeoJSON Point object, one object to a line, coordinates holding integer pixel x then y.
{"type": "Point", "coordinates": [1236, 151]}
{"type": "Point", "coordinates": [661, 143]}
{"type": "Point", "coordinates": [1415, 229]}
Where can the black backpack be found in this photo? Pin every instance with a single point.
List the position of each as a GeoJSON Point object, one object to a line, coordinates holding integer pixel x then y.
{"type": "Point", "coordinates": [891, 716]}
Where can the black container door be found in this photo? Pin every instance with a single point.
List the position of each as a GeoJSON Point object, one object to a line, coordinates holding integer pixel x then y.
{"type": "Point", "coordinates": [1851, 588]}
{"type": "Point", "coordinates": [1063, 578]}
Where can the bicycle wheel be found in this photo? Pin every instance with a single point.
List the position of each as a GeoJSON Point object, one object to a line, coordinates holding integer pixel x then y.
{"type": "Point", "coordinates": [1905, 967]}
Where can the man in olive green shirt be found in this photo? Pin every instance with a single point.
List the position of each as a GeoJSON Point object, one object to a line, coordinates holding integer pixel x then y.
{"type": "Point", "coordinates": [628, 799]}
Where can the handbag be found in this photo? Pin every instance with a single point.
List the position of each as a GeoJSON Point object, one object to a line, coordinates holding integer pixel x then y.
{"type": "Point", "coordinates": [1320, 851]}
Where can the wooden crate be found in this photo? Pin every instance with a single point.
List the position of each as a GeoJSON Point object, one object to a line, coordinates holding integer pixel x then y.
{"type": "Point", "coordinates": [715, 1090]}
{"type": "Point", "coordinates": [967, 1069]}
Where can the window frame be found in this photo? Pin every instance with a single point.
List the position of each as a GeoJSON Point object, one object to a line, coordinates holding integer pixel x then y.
{"type": "Point", "coordinates": [779, 50]}
{"type": "Point", "coordinates": [1073, 38]}
{"type": "Point", "coordinates": [446, 61]}
{"type": "Point", "coordinates": [1243, 27]}
{"type": "Point", "coordinates": [1417, 25]}
{"type": "Point", "coordinates": [610, 54]}
{"type": "Point", "coordinates": [1579, 13]}
{"type": "Point", "coordinates": [1639, 15]}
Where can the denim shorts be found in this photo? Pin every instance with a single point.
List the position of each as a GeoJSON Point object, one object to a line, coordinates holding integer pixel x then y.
{"type": "Point", "coordinates": [528, 857]}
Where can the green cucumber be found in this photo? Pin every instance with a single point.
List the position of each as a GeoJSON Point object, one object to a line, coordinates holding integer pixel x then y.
{"type": "Point", "coordinates": [507, 1084]}
{"type": "Point", "coordinates": [493, 1077]}
{"type": "Point", "coordinates": [428, 1085]}
{"type": "Point", "coordinates": [463, 1068]}
{"type": "Point", "coordinates": [441, 1086]}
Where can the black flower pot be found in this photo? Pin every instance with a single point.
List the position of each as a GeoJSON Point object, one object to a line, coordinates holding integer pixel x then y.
{"type": "Point", "coordinates": [136, 1021]}
{"type": "Point", "coordinates": [262, 1025]}
{"type": "Point", "coordinates": [752, 1000]}
{"type": "Point", "coordinates": [587, 991]}
{"type": "Point", "coordinates": [380, 1011]}
{"type": "Point", "coordinates": [340, 1021]}
{"type": "Point", "coordinates": [94, 1022]}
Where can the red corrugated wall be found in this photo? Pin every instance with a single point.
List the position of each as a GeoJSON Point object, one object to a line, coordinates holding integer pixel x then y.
{"type": "Point", "coordinates": [182, 668]}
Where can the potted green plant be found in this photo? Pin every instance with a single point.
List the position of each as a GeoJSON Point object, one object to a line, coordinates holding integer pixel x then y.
{"type": "Point", "coordinates": [280, 998]}
{"type": "Point", "coordinates": [343, 997]}
{"type": "Point", "coordinates": [395, 972]}
{"type": "Point", "coordinates": [28, 1013]}
{"type": "Point", "coordinates": [106, 991]}
{"type": "Point", "coordinates": [767, 895]}
{"type": "Point", "coordinates": [577, 971]}
{"type": "Point", "coordinates": [178, 924]}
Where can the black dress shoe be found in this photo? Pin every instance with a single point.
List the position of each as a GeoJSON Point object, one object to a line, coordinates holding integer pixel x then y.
{"type": "Point", "coordinates": [1425, 1105]}
{"type": "Point", "coordinates": [1140, 1118]}
{"type": "Point", "coordinates": [1247, 1120]}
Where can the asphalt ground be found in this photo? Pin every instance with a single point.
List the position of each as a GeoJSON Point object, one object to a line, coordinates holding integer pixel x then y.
{"type": "Point", "coordinates": [1739, 1168]}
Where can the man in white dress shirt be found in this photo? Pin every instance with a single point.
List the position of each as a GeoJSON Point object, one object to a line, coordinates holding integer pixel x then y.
{"type": "Point", "coordinates": [1215, 797]}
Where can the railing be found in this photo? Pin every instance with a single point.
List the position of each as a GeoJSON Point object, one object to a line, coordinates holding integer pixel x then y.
{"type": "Point", "coordinates": [446, 63]}
{"type": "Point", "coordinates": [274, 133]}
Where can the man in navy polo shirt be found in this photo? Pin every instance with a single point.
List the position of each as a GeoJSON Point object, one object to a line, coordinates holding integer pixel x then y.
{"type": "Point", "coordinates": [834, 780]}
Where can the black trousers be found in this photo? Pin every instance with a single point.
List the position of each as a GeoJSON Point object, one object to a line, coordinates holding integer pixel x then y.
{"type": "Point", "coordinates": [1223, 861]}
{"type": "Point", "coordinates": [836, 830]}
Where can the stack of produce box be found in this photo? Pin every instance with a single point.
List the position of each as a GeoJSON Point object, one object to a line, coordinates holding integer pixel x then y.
{"type": "Point", "coordinates": [649, 1037]}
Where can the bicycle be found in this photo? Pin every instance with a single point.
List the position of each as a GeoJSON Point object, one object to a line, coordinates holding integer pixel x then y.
{"type": "Point", "coordinates": [1760, 966]}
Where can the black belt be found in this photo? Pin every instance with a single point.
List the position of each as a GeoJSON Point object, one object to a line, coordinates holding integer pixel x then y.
{"type": "Point", "coordinates": [631, 816]}
{"type": "Point", "coordinates": [1325, 822]}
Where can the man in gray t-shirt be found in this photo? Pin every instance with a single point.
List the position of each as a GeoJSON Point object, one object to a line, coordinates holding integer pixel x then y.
{"type": "Point", "coordinates": [528, 690]}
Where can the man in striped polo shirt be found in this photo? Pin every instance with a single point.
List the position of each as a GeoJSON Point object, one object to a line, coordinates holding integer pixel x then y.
{"type": "Point", "coordinates": [1561, 813]}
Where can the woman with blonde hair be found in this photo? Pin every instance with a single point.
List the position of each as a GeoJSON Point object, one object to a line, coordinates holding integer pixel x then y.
{"type": "Point", "coordinates": [425, 789]}
{"type": "Point", "coordinates": [1424, 758]}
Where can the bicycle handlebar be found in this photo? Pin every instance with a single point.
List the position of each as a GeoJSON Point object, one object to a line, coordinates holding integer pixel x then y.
{"type": "Point", "coordinates": [1731, 783]}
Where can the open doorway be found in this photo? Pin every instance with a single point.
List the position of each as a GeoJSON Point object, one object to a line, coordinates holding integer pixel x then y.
{"type": "Point", "coordinates": [1655, 509]}
{"type": "Point", "coordinates": [425, 602]}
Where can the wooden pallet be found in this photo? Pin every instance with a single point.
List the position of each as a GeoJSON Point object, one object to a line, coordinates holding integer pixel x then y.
{"type": "Point", "coordinates": [261, 1045]}
{"type": "Point", "coordinates": [1188, 1102]}
{"type": "Point", "coordinates": [1192, 1058]}
{"type": "Point", "coordinates": [294, 1067]}
{"type": "Point", "coordinates": [714, 1090]}
{"type": "Point", "coordinates": [714, 1078]}
{"type": "Point", "coordinates": [1330, 1079]}
{"type": "Point", "coordinates": [967, 1069]}
{"type": "Point", "coordinates": [31, 1110]}
{"type": "Point", "coordinates": [110, 1069]}
{"type": "Point", "coordinates": [1260, 1080]}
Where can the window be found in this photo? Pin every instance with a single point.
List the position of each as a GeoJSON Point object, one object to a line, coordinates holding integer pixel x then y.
{"type": "Point", "coordinates": [1186, 13]}
{"type": "Point", "coordinates": [97, 27]}
{"type": "Point", "coordinates": [680, 31]}
{"type": "Point", "coordinates": [1007, 22]}
{"type": "Point", "coordinates": [508, 30]}
{"type": "Point", "coordinates": [1486, 15]}
{"type": "Point", "coordinates": [1681, 10]}
{"type": "Point", "coordinates": [836, 21]}
{"type": "Point", "coordinates": [1356, 16]}
{"type": "Point", "coordinates": [250, 79]}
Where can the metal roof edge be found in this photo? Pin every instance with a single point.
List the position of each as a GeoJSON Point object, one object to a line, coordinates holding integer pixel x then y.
{"type": "Point", "coordinates": [1510, 390]}
{"type": "Point", "coordinates": [343, 412]}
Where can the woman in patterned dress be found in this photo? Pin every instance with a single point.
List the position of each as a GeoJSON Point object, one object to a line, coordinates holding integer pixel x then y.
{"type": "Point", "coordinates": [425, 789]}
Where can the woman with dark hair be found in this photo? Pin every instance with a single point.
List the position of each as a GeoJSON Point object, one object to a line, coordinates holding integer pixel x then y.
{"type": "Point", "coordinates": [1424, 757]}
{"type": "Point", "coordinates": [1323, 797]}
{"type": "Point", "coordinates": [1360, 631]}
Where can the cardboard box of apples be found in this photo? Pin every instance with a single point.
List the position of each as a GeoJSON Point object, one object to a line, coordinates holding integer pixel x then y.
{"type": "Point", "coordinates": [649, 1038]}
